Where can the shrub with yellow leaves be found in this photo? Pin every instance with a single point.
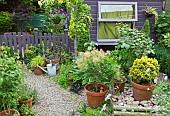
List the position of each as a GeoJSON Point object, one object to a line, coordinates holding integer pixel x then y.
{"type": "Point", "coordinates": [144, 70]}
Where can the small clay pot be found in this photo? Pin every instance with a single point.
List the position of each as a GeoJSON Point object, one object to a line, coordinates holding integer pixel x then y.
{"type": "Point", "coordinates": [9, 112]}
{"type": "Point", "coordinates": [38, 71]}
{"type": "Point", "coordinates": [29, 102]}
{"type": "Point", "coordinates": [120, 85]}
{"type": "Point", "coordinates": [70, 81]}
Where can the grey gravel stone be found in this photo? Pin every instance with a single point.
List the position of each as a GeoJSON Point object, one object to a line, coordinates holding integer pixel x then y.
{"type": "Point", "coordinates": [53, 100]}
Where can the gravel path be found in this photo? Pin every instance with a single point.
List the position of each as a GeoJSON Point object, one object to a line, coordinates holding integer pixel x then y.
{"type": "Point", "coordinates": [53, 100]}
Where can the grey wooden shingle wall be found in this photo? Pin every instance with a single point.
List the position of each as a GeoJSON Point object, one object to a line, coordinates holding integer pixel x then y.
{"type": "Point", "coordinates": [141, 16]}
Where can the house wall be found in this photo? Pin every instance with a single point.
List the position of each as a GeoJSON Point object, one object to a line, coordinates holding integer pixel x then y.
{"type": "Point", "coordinates": [141, 16]}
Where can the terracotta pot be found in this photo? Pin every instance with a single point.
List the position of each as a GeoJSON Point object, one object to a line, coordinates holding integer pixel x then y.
{"type": "Point", "coordinates": [141, 92]}
{"type": "Point", "coordinates": [54, 61]}
{"type": "Point", "coordinates": [7, 112]}
{"type": "Point", "coordinates": [95, 99]}
{"type": "Point", "coordinates": [29, 102]}
{"type": "Point", "coordinates": [121, 85]}
{"type": "Point", "coordinates": [38, 71]}
{"type": "Point", "coordinates": [70, 81]}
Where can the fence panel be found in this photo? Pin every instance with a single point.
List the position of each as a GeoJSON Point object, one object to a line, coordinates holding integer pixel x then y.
{"type": "Point", "coordinates": [20, 41]}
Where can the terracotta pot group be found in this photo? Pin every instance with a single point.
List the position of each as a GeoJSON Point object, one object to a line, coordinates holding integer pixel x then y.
{"type": "Point", "coordinates": [9, 112]}
{"type": "Point", "coordinates": [141, 92]}
{"type": "Point", "coordinates": [95, 99]}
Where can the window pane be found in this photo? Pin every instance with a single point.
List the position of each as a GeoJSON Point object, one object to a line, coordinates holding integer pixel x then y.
{"type": "Point", "coordinates": [116, 11]}
{"type": "Point", "coordinates": [108, 30]}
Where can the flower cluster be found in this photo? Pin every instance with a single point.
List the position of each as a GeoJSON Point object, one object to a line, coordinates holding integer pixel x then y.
{"type": "Point", "coordinates": [57, 13]}
{"type": "Point", "coordinates": [144, 70]}
{"type": "Point", "coordinates": [94, 55]}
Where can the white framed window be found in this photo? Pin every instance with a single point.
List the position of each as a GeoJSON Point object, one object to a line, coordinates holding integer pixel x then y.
{"type": "Point", "coordinates": [110, 13]}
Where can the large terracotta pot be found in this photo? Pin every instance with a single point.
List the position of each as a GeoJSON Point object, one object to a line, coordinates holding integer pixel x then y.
{"type": "Point", "coordinates": [141, 92]}
{"type": "Point", "coordinates": [8, 112]}
{"type": "Point", "coordinates": [29, 102]}
{"type": "Point", "coordinates": [95, 99]}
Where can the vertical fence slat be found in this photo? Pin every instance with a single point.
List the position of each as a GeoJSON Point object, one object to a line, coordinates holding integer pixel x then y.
{"type": "Point", "coordinates": [36, 38]}
{"type": "Point", "coordinates": [45, 41]}
{"type": "Point", "coordinates": [15, 40]}
{"type": "Point", "coordinates": [32, 40]}
{"type": "Point", "coordinates": [63, 42]}
{"type": "Point", "coordinates": [5, 39]}
{"type": "Point", "coordinates": [24, 41]}
{"type": "Point", "coordinates": [49, 40]}
{"type": "Point", "coordinates": [28, 40]}
{"type": "Point", "coordinates": [1, 40]}
{"type": "Point", "coordinates": [40, 37]}
{"type": "Point", "coordinates": [58, 40]}
{"type": "Point", "coordinates": [54, 42]}
{"type": "Point", "coordinates": [66, 37]}
{"type": "Point", "coordinates": [20, 44]}
{"type": "Point", "coordinates": [10, 39]}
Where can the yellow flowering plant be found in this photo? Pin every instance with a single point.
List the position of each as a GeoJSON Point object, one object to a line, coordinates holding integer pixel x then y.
{"type": "Point", "coordinates": [144, 70]}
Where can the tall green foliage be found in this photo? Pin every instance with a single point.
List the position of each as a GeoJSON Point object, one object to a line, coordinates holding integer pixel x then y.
{"type": "Point", "coordinates": [146, 28]}
{"type": "Point", "coordinates": [80, 23]}
{"type": "Point", "coordinates": [5, 21]}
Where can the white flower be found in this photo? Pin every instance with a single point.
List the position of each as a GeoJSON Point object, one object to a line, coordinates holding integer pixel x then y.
{"type": "Point", "coordinates": [147, 70]}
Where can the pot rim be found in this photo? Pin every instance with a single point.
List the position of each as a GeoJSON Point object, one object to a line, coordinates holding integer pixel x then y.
{"type": "Point", "coordinates": [143, 87]}
{"type": "Point", "coordinates": [96, 93]}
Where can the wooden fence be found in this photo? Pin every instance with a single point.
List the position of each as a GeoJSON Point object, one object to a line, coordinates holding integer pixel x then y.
{"type": "Point", "coordinates": [21, 40]}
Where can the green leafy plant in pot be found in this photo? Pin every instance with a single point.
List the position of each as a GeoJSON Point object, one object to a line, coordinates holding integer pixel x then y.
{"type": "Point", "coordinates": [11, 77]}
{"type": "Point", "coordinates": [96, 69]}
{"type": "Point", "coordinates": [119, 80]}
{"type": "Point", "coordinates": [25, 96]}
{"type": "Point", "coordinates": [51, 57]}
{"type": "Point", "coordinates": [37, 61]}
{"type": "Point", "coordinates": [143, 72]}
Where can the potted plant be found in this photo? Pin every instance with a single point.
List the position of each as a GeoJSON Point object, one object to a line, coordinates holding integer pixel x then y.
{"type": "Point", "coordinates": [150, 11]}
{"type": "Point", "coordinates": [37, 61]}
{"type": "Point", "coordinates": [119, 80]}
{"type": "Point", "coordinates": [25, 96]}
{"type": "Point", "coordinates": [9, 113]}
{"type": "Point", "coordinates": [11, 77]}
{"type": "Point", "coordinates": [51, 57]}
{"type": "Point", "coordinates": [143, 72]}
{"type": "Point", "coordinates": [96, 69]}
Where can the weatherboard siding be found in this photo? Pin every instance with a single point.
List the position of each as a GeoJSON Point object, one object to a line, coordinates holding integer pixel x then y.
{"type": "Point", "coordinates": [141, 15]}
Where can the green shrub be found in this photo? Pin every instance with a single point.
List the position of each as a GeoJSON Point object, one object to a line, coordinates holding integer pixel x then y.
{"type": "Point", "coordinates": [5, 21]}
{"type": "Point", "coordinates": [162, 54]}
{"type": "Point", "coordinates": [146, 28]}
{"type": "Point", "coordinates": [162, 25]}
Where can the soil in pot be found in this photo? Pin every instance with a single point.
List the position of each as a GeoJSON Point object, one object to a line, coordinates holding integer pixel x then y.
{"type": "Point", "coordinates": [9, 113]}
{"type": "Point", "coordinates": [95, 99]}
{"type": "Point", "coordinates": [141, 92]}
{"type": "Point", "coordinates": [29, 102]}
